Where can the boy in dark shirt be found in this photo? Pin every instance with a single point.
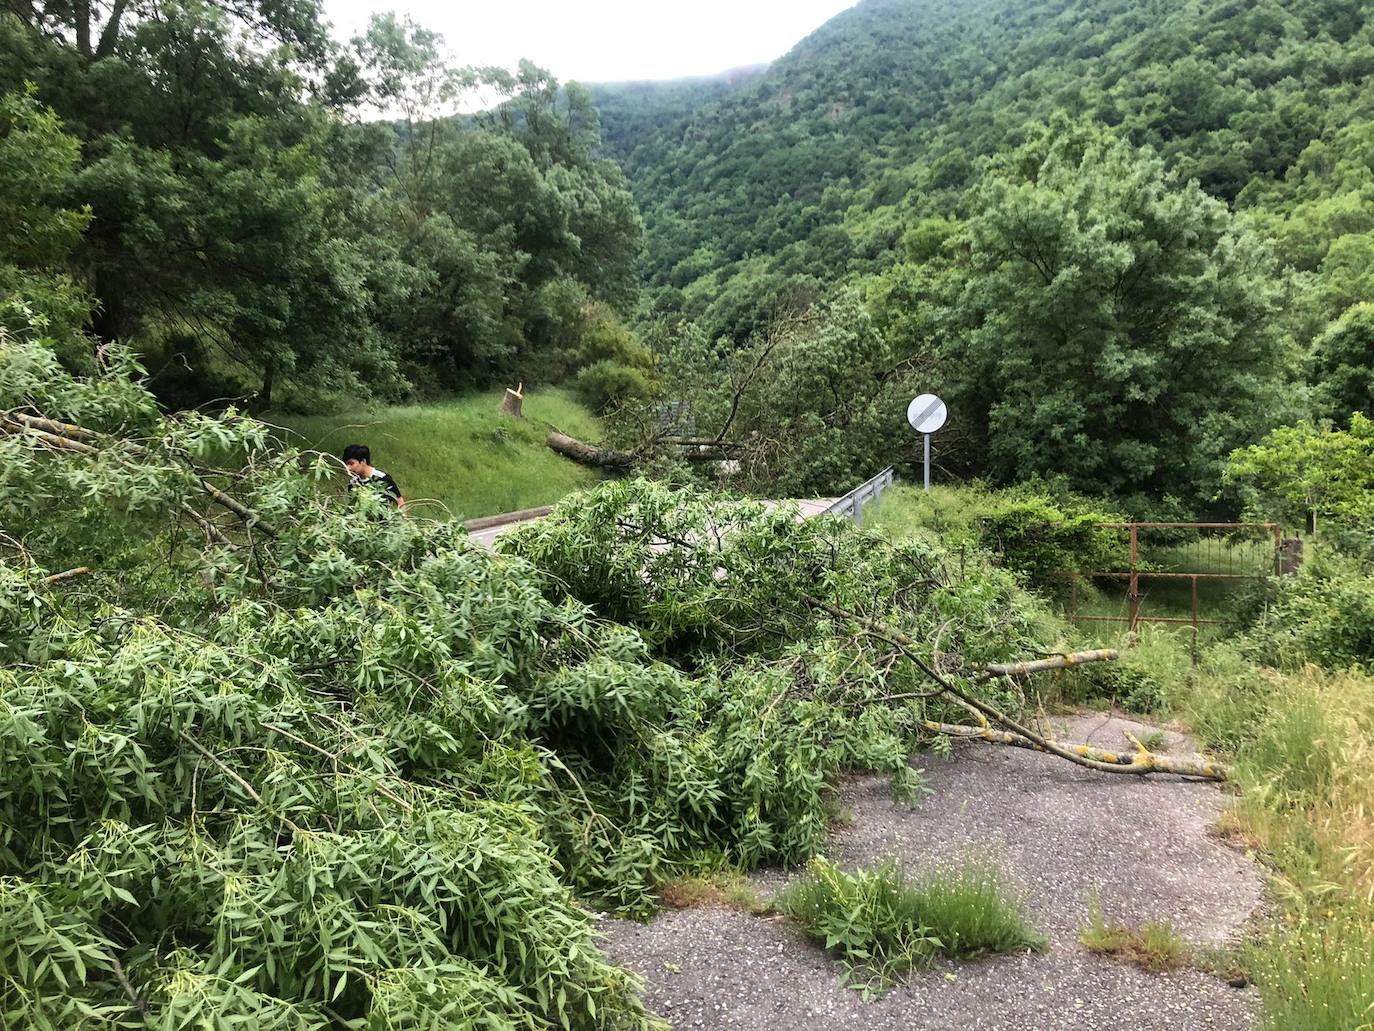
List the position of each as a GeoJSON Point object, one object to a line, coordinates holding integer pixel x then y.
{"type": "Point", "coordinates": [357, 459]}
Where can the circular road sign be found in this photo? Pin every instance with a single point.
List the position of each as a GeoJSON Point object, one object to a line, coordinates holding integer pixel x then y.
{"type": "Point", "coordinates": [926, 414]}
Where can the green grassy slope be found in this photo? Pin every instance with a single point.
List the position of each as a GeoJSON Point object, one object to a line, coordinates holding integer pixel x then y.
{"type": "Point", "coordinates": [462, 453]}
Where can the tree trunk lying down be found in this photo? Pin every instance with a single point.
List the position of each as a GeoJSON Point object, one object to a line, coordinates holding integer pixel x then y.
{"type": "Point", "coordinates": [589, 454]}
{"type": "Point", "coordinates": [610, 458]}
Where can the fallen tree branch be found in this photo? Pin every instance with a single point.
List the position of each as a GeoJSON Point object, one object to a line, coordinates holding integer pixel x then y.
{"type": "Point", "coordinates": [589, 454]}
{"type": "Point", "coordinates": [1142, 762]}
{"type": "Point", "coordinates": [140, 1004]}
{"type": "Point", "coordinates": [1065, 661]}
{"type": "Point", "coordinates": [234, 776]}
{"type": "Point", "coordinates": [60, 441]}
{"type": "Point", "coordinates": [380, 788]}
{"type": "Point", "coordinates": [66, 574]}
{"type": "Point", "coordinates": [208, 528]}
{"type": "Point", "coordinates": [612, 458]}
{"type": "Point", "coordinates": [65, 436]}
{"type": "Point", "coordinates": [702, 442]}
{"type": "Point", "coordinates": [251, 519]}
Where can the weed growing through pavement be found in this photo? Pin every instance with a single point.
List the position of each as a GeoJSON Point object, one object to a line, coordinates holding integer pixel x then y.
{"type": "Point", "coordinates": [724, 888]}
{"type": "Point", "coordinates": [882, 923]}
{"type": "Point", "coordinates": [1153, 946]}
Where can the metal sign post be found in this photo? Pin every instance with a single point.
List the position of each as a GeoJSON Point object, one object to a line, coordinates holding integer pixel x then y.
{"type": "Point", "coordinates": [926, 414]}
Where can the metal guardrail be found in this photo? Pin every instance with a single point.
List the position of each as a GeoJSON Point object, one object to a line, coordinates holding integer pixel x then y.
{"type": "Point", "coordinates": [852, 504]}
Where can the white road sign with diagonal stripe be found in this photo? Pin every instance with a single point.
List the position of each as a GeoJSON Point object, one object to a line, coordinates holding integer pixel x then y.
{"type": "Point", "coordinates": [926, 414]}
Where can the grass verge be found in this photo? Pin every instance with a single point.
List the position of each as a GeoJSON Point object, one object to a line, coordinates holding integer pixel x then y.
{"type": "Point", "coordinates": [1303, 748]}
{"type": "Point", "coordinates": [462, 453]}
{"type": "Point", "coordinates": [882, 923]}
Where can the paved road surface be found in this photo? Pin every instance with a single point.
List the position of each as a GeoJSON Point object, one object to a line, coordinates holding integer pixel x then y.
{"type": "Point", "coordinates": [486, 530]}
{"type": "Point", "coordinates": [1065, 838]}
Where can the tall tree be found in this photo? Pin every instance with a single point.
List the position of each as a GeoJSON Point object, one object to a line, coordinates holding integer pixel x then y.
{"type": "Point", "coordinates": [221, 233]}
{"type": "Point", "coordinates": [95, 29]}
{"type": "Point", "coordinates": [38, 234]}
{"type": "Point", "coordinates": [1343, 366]}
{"type": "Point", "coordinates": [1101, 319]}
{"type": "Point", "coordinates": [507, 221]}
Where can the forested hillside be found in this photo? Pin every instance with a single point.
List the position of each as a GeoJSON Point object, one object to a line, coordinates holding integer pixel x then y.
{"type": "Point", "coordinates": [1122, 239]}
{"type": "Point", "coordinates": [881, 118]}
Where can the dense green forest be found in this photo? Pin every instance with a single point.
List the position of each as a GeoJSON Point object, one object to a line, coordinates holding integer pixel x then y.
{"type": "Point", "coordinates": [882, 117]}
{"type": "Point", "coordinates": [264, 207]}
{"type": "Point", "coordinates": [1123, 239]}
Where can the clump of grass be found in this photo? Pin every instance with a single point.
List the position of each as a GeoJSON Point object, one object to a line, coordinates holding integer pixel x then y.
{"type": "Point", "coordinates": [882, 923]}
{"type": "Point", "coordinates": [1153, 946]}
{"type": "Point", "coordinates": [974, 913]}
{"type": "Point", "coordinates": [723, 888]}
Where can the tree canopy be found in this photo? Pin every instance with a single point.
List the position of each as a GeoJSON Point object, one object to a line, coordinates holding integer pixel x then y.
{"type": "Point", "coordinates": [1125, 242]}
{"type": "Point", "coordinates": [880, 118]}
{"type": "Point", "coordinates": [1097, 318]}
{"type": "Point", "coordinates": [247, 229]}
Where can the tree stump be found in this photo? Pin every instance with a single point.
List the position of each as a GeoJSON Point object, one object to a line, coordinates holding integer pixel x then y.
{"type": "Point", "coordinates": [513, 402]}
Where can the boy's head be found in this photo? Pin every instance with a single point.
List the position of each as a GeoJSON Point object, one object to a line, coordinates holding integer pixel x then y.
{"type": "Point", "coordinates": [357, 459]}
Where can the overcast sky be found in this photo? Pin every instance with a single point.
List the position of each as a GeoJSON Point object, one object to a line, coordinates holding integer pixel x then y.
{"type": "Point", "coordinates": [606, 40]}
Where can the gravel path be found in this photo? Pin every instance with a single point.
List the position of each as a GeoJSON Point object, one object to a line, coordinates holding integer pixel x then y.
{"type": "Point", "coordinates": [1060, 833]}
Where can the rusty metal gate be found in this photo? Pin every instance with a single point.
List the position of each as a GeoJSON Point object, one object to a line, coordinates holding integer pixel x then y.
{"type": "Point", "coordinates": [1183, 555]}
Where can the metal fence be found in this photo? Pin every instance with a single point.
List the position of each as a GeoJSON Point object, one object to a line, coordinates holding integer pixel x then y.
{"type": "Point", "coordinates": [852, 504]}
{"type": "Point", "coordinates": [1183, 556]}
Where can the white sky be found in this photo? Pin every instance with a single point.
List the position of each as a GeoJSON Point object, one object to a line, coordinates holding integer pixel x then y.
{"type": "Point", "coordinates": [606, 40]}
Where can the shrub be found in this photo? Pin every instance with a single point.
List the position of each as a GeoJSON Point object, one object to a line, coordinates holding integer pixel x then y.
{"type": "Point", "coordinates": [1325, 614]}
{"type": "Point", "coordinates": [1306, 468]}
{"type": "Point", "coordinates": [606, 383]}
{"type": "Point", "coordinates": [1040, 539]}
{"type": "Point", "coordinates": [613, 366]}
{"type": "Point", "coordinates": [1040, 530]}
{"type": "Point", "coordinates": [1224, 698]}
{"type": "Point", "coordinates": [1129, 684]}
{"type": "Point", "coordinates": [1290, 751]}
{"type": "Point", "coordinates": [1155, 666]}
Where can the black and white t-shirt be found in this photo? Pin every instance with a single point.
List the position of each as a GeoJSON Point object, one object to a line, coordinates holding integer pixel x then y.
{"type": "Point", "coordinates": [378, 479]}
